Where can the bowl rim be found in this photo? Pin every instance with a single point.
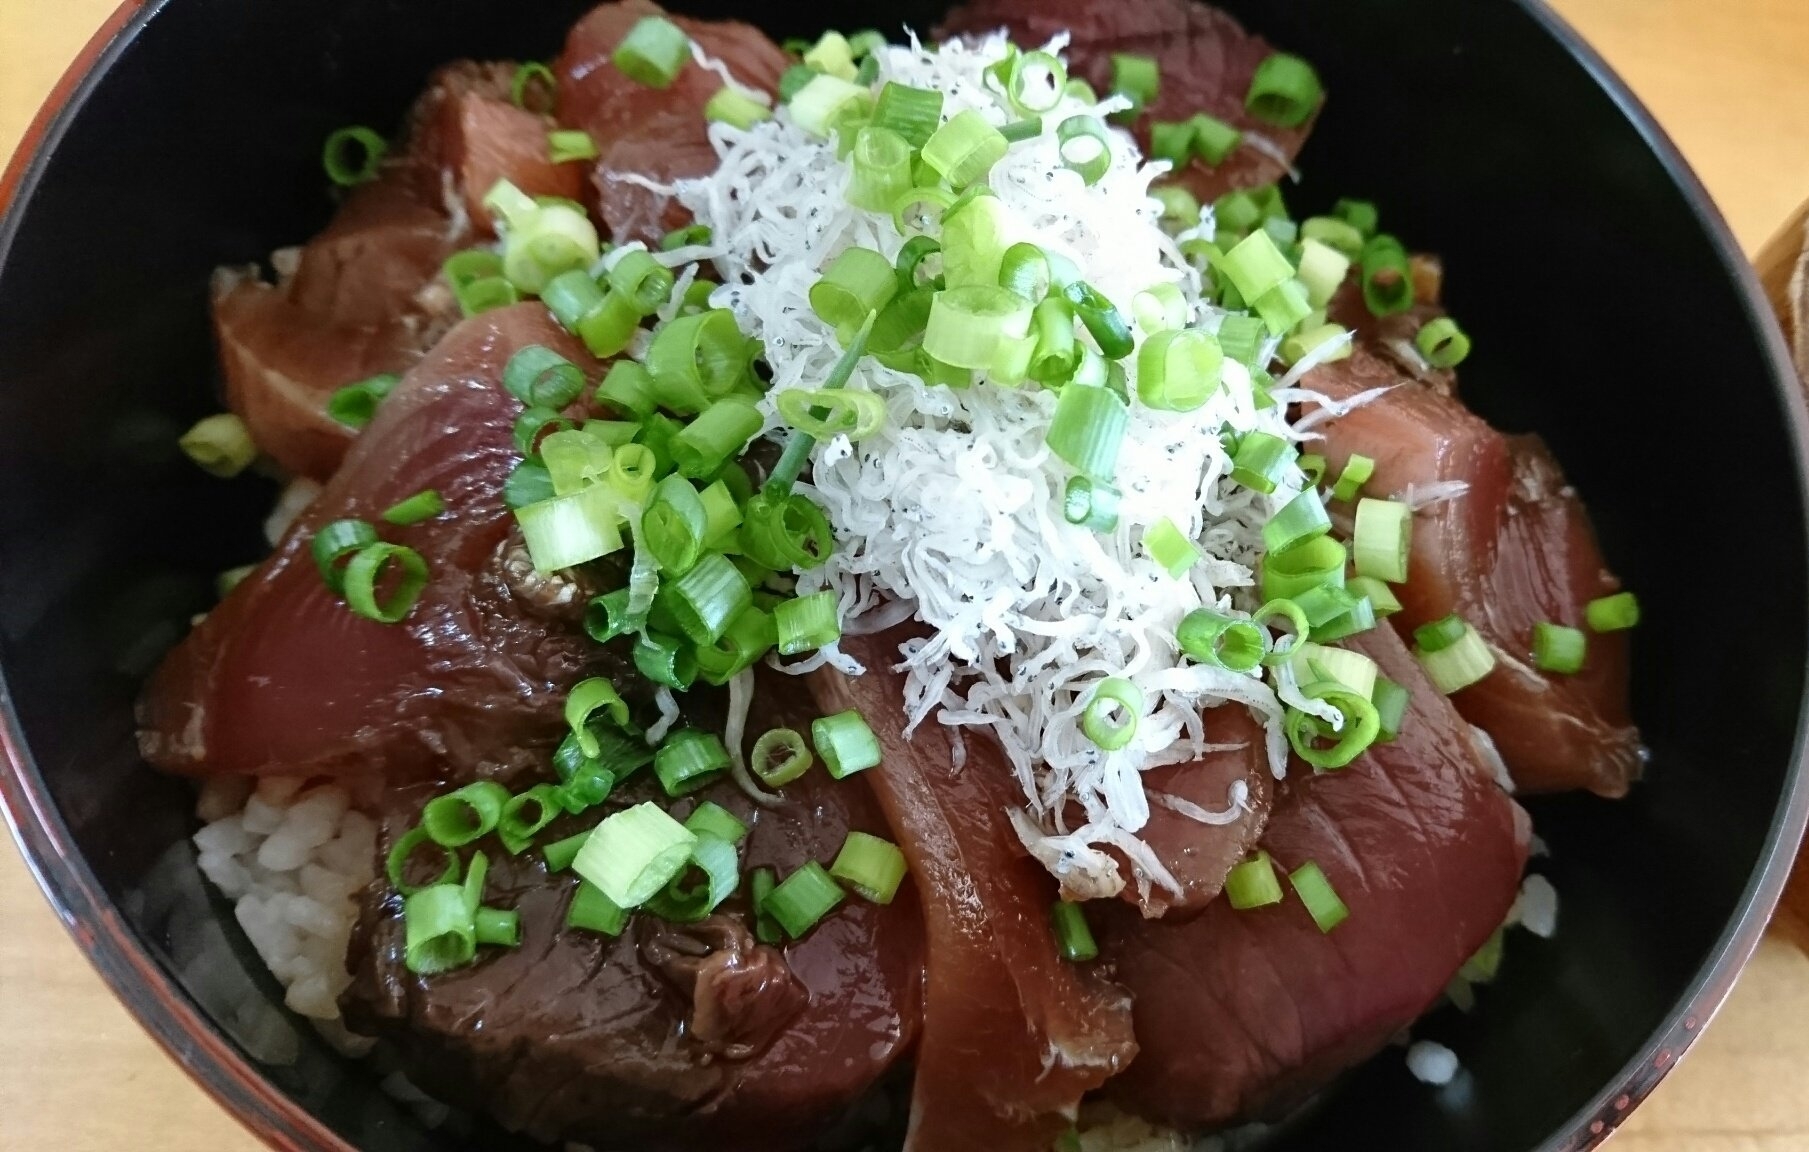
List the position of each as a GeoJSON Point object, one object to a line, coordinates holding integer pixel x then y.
{"type": "Point", "coordinates": [189, 1036]}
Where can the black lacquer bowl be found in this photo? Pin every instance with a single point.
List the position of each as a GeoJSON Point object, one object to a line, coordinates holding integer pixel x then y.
{"type": "Point", "coordinates": [1611, 312]}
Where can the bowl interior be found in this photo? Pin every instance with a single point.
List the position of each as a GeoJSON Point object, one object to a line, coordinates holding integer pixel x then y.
{"type": "Point", "coordinates": [1604, 315]}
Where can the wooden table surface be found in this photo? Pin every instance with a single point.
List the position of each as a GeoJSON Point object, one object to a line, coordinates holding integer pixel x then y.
{"type": "Point", "coordinates": [1729, 79]}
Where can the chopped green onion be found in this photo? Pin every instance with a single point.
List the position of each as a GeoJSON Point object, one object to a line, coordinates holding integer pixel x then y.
{"type": "Point", "coordinates": [1283, 307]}
{"type": "Point", "coordinates": [1136, 76]}
{"type": "Point", "coordinates": [1359, 214]}
{"type": "Point", "coordinates": [829, 412]}
{"type": "Point", "coordinates": [220, 444]}
{"type": "Point", "coordinates": [858, 282]}
{"type": "Point", "coordinates": [1383, 536]}
{"type": "Point", "coordinates": [593, 911]}
{"type": "Point", "coordinates": [824, 100]}
{"type": "Point", "coordinates": [832, 54]}
{"type": "Point", "coordinates": [1256, 266]}
{"type": "Point", "coordinates": [1285, 91]}
{"type": "Point", "coordinates": [1313, 562]}
{"type": "Point", "coordinates": [1356, 733]}
{"type": "Point", "coordinates": [1390, 700]}
{"type": "Point", "coordinates": [780, 756]}
{"type": "Point", "coordinates": [873, 867]}
{"type": "Point", "coordinates": [1019, 130]}
{"type": "Point", "coordinates": [674, 524]}
{"type": "Point", "coordinates": [1112, 714]}
{"type": "Point", "coordinates": [631, 472]}
{"type": "Point", "coordinates": [653, 52]}
{"type": "Point", "coordinates": [1160, 308]}
{"type": "Point", "coordinates": [1211, 637]}
{"type": "Point", "coordinates": [1387, 280]}
{"type": "Point", "coordinates": [704, 600]}
{"type": "Point", "coordinates": [881, 169]}
{"type": "Point", "coordinates": [1213, 139]}
{"type": "Point", "coordinates": [352, 155]}
{"type": "Point", "coordinates": [964, 148]}
{"type": "Point", "coordinates": [1301, 519]}
{"type": "Point", "coordinates": [1262, 460]}
{"type": "Point", "coordinates": [749, 636]}
{"type": "Point", "coordinates": [467, 814]}
{"type": "Point", "coordinates": [968, 325]}
{"type": "Point", "coordinates": [760, 886]}
{"type": "Point", "coordinates": [368, 566]}
{"type": "Point", "coordinates": [1241, 339]}
{"type": "Point", "coordinates": [563, 146]}
{"type": "Point", "coordinates": [556, 237]}
{"type": "Point", "coordinates": [1091, 504]}
{"type": "Point", "coordinates": [807, 623]}
{"type": "Point", "coordinates": [696, 359]}
{"type": "Point", "coordinates": [1352, 669]}
{"type": "Point", "coordinates": [793, 80]}
{"type": "Point", "coordinates": [1252, 884]}
{"type": "Point", "coordinates": [573, 298]}
{"type": "Point", "coordinates": [1452, 664]}
{"type": "Point", "coordinates": [802, 899]}
{"type": "Point", "coordinates": [540, 377]}
{"type": "Point", "coordinates": [396, 864]}
{"type": "Point", "coordinates": [912, 113]}
{"type": "Point", "coordinates": [845, 742]}
{"type": "Point", "coordinates": [1315, 891]}
{"type": "Point", "coordinates": [564, 531]}
{"type": "Point", "coordinates": [1557, 648]}
{"type": "Point", "coordinates": [665, 660]}
{"type": "Point", "coordinates": [628, 387]}
{"type": "Point", "coordinates": [1322, 270]}
{"type": "Point", "coordinates": [440, 931]}
{"type": "Point", "coordinates": [1334, 233]}
{"type": "Point", "coordinates": [785, 533]}
{"type": "Point", "coordinates": [423, 505]}
{"type": "Point", "coordinates": [1171, 141]}
{"type": "Point", "coordinates": [722, 515]}
{"type": "Point", "coordinates": [533, 423]}
{"type": "Point", "coordinates": [973, 244]}
{"type": "Point", "coordinates": [528, 75]}
{"type": "Point", "coordinates": [731, 105]}
{"type": "Point", "coordinates": [1357, 471]}
{"type": "Point", "coordinates": [575, 459]}
{"type": "Point", "coordinates": [1296, 619]}
{"type": "Point", "coordinates": [1381, 598]}
{"type": "Point", "coordinates": [1104, 323]}
{"type": "Point", "coordinates": [719, 433]}
{"type": "Point", "coordinates": [687, 903]}
{"type": "Point", "coordinates": [583, 701]}
{"type": "Point", "coordinates": [1178, 370]}
{"type": "Point", "coordinates": [1180, 209]}
{"type": "Point", "coordinates": [1439, 634]}
{"type": "Point", "coordinates": [1312, 465]}
{"type": "Point", "coordinates": [1442, 343]}
{"type": "Point", "coordinates": [712, 819]}
{"type": "Point", "coordinates": [1057, 354]}
{"type": "Point", "coordinates": [560, 853]}
{"type": "Point", "coordinates": [355, 404]}
{"type": "Point", "coordinates": [1170, 548]}
{"type": "Point", "coordinates": [1034, 82]}
{"type": "Point", "coordinates": [530, 483]}
{"type": "Point", "coordinates": [688, 236]}
{"type": "Point", "coordinates": [1087, 429]}
{"type": "Point", "coordinates": [1612, 613]}
{"type": "Point", "coordinates": [634, 853]}
{"type": "Point", "coordinates": [1084, 146]}
{"type": "Point", "coordinates": [526, 815]}
{"type": "Point", "coordinates": [642, 279]}
{"type": "Point", "coordinates": [1024, 271]}
{"type": "Point", "coordinates": [1073, 938]}
{"type": "Point", "coordinates": [483, 293]}
{"type": "Point", "coordinates": [911, 257]}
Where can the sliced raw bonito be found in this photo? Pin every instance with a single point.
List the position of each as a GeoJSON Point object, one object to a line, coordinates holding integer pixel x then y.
{"type": "Point", "coordinates": [653, 134]}
{"type": "Point", "coordinates": [1246, 1013]}
{"type": "Point", "coordinates": [1505, 542]}
{"type": "Point", "coordinates": [282, 678]}
{"type": "Point", "coordinates": [673, 1036]}
{"type": "Point", "coordinates": [365, 296]}
{"type": "Point", "coordinates": [1013, 1035]}
{"type": "Point", "coordinates": [1205, 59]}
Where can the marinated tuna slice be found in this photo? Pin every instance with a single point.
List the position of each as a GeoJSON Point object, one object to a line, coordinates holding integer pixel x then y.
{"type": "Point", "coordinates": [1205, 57]}
{"type": "Point", "coordinates": [670, 1036]}
{"type": "Point", "coordinates": [1013, 1035]}
{"type": "Point", "coordinates": [1506, 543]}
{"type": "Point", "coordinates": [653, 134]}
{"type": "Point", "coordinates": [365, 296]}
{"type": "Point", "coordinates": [1243, 1014]}
{"type": "Point", "coordinates": [283, 678]}
{"type": "Point", "coordinates": [1187, 801]}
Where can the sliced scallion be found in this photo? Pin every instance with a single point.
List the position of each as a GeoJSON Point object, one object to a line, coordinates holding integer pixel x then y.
{"type": "Point", "coordinates": [1073, 938]}
{"type": "Point", "coordinates": [1612, 613]}
{"type": "Point", "coordinates": [653, 52]}
{"type": "Point", "coordinates": [872, 867]}
{"type": "Point", "coordinates": [634, 853]}
{"type": "Point", "coordinates": [1253, 884]}
{"type": "Point", "coordinates": [1557, 648]}
{"type": "Point", "coordinates": [1316, 892]}
{"type": "Point", "coordinates": [1113, 713]}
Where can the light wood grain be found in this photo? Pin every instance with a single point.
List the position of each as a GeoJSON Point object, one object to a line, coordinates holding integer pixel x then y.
{"type": "Point", "coordinates": [1729, 79]}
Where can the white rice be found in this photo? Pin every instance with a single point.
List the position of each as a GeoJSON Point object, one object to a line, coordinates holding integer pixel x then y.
{"type": "Point", "coordinates": [292, 860]}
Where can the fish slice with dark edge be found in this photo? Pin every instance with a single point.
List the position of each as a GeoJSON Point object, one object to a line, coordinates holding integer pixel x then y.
{"type": "Point", "coordinates": [670, 1036]}
{"type": "Point", "coordinates": [1013, 1035]}
{"type": "Point", "coordinates": [282, 678]}
{"type": "Point", "coordinates": [365, 296]}
{"type": "Point", "coordinates": [1205, 57]}
{"type": "Point", "coordinates": [1515, 548]}
{"type": "Point", "coordinates": [1245, 1014]}
{"type": "Point", "coordinates": [653, 134]}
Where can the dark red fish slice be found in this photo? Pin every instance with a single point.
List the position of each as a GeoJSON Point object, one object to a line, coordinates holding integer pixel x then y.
{"type": "Point", "coordinates": [608, 1041]}
{"type": "Point", "coordinates": [365, 296]}
{"type": "Point", "coordinates": [282, 678]}
{"type": "Point", "coordinates": [1516, 548]}
{"type": "Point", "coordinates": [1196, 854]}
{"type": "Point", "coordinates": [656, 133]}
{"type": "Point", "coordinates": [1245, 1014]}
{"type": "Point", "coordinates": [1013, 1036]}
{"type": "Point", "coordinates": [1206, 58]}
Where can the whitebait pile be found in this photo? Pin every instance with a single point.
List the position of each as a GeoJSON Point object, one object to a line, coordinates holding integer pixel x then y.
{"type": "Point", "coordinates": [955, 504]}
